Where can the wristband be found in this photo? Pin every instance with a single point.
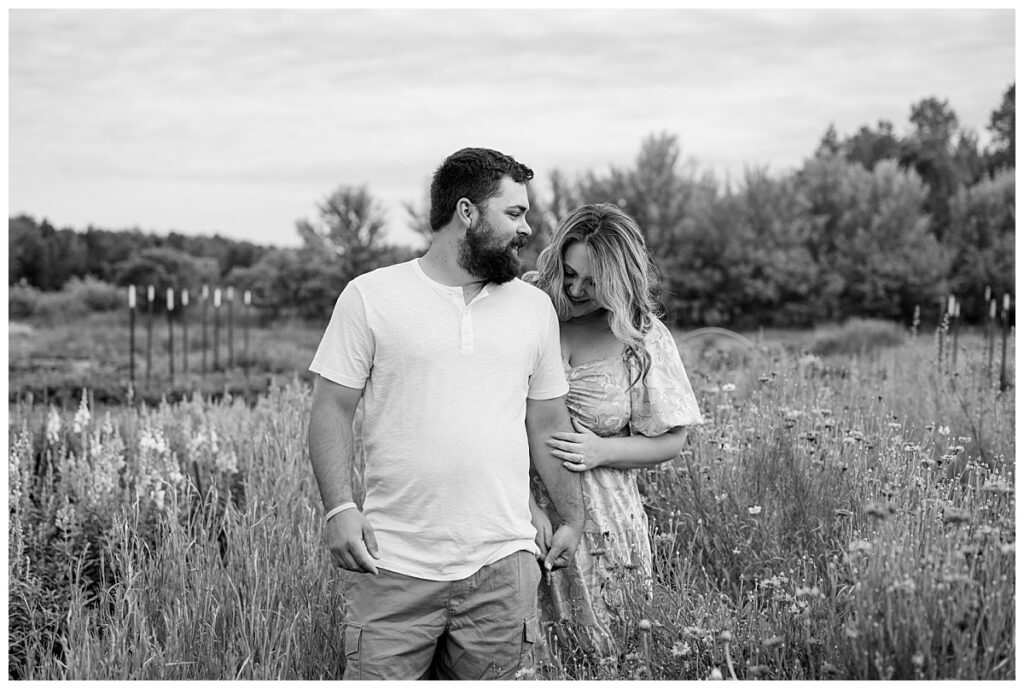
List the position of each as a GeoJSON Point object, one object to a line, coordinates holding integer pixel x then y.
{"type": "Point", "coordinates": [339, 509]}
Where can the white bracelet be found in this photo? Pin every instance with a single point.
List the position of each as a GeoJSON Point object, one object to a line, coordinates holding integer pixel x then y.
{"type": "Point", "coordinates": [339, 509]}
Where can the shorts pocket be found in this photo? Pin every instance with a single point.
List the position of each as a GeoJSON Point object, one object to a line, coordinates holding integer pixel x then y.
{"type": "Point", "coordinates": [527, 656]}
{"type": "Point", "coordinates": [353, 646]}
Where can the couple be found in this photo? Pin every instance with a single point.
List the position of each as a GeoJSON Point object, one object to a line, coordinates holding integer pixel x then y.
{"type": "Point", "coordinates": [469, 377]}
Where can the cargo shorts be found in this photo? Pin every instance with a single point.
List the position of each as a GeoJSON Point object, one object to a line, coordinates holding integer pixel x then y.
{"type": "Point", "coordinates": [482, 627]}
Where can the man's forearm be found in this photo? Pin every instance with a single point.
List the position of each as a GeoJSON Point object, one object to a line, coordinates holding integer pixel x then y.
{"type": "Point", "coordinates": [331, 450]}
{"type": "Point", "coordinates": [564, 487]}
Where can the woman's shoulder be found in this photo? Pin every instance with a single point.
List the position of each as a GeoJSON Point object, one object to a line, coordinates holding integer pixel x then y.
{"type": "Point", "coordinates": [658, 332]}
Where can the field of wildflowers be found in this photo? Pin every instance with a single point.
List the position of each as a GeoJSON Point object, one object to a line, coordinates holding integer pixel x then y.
{"type": "Point", "coordinates": [843, 516]}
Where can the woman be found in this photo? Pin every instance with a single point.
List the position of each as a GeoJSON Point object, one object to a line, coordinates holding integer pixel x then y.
{"type": "Point", "coordinates": [629, 399]}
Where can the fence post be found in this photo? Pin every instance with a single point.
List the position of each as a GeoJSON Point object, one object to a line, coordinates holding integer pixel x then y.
{"type": "Point", "coordinates": [184, 332]}
{"type": "Point", "coordinates": [231, 326]}
{"type": "Point", "coordinates": [204, 297]}
{"type": "Point", "coordinates": [150, 296]}
{"type": "Point", "coordinates": [170, 333]}
{"type": "Point", "coordinates": [1003, 383]}
{"type": "Point", "coordinates": [956, 329]}
{"type": "Point", "coordinates": [131, 338]}
{"type": "Point", "coordinates": [246, 317]}
{"type": "Point", "coordinates": [216, 329]}
{"type": "Point", "coordinates": [990, 336]}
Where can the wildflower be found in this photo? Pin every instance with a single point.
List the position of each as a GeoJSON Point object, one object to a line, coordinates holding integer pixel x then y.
{"type": "Point", "coordinates": [999, 486]}
{"type": "Point", "coordinates": [525, 673]}
{"type": "Point", "coordinates": [895, 424]}
{"type": "Point", "coordinates": [758, 670]}
{"type": "Point", "coordinates": [813, 591]}
{"type": "Point", "coordinates": [879, 510]}
{"type": "Point", "coordinates": [1007, 548]}
{"type": "Point", "coordinates": [728, 387]}
{"type": "Point", "coordinates": [905, 585]}
{"type": "Point", "coordinates": [943, 430]}
{"type": "Point", "coordinates": [681, 649]}
{"type": "Point", "coordinates": [965, 439]}
{"type": "Point", "coordinates": [755, 510]}
{"type": "Point", "coordinates": [952, 515]}
{"type": "Point", "coordinates": [715, 674]}
{"type": "Point", "coordinates": [859, 546]}
{"type": "Point", "coordinates": [82, 416]}
{"type": "Point", "coordinates": [53, 426]}
{"type": "Point", "coordinates": [725, 636]}
{"type": "Point", "coordinates": [645, 625]}
{"type": "Point", "coordinates": [918, 660]}
{"type": "Point", "coordinates": [773, 642]}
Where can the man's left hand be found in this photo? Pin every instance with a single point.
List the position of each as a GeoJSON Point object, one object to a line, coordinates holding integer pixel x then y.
{"type": "Point", "coordinates": [563, 548]}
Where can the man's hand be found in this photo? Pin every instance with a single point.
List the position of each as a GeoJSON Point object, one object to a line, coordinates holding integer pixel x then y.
{"type": "Point", "coordinates": [542, 524]}
{"type": "Point", "coordinates": [562, 549]}
{"type": "Point", "coordinates": [351, 542]}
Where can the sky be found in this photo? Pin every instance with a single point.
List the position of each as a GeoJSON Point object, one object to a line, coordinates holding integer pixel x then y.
{"type": "Point", "coordinates": [240, 122]}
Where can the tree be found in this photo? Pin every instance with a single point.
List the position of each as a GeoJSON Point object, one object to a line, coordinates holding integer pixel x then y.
{"type": "Point", "coordinates": [870, 146]}
{"type": "Point", "coordinates": [164, 267]}
{"type": "Point", "coordinates": [929, 152]}
{"type": "Point", "coordinates": [982, 241]}
{"type": "Point", "coordinates": [1002, 124]}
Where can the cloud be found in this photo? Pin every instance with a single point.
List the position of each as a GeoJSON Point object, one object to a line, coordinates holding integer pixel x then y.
{"type": "Point", "coordinates": [292, 103]}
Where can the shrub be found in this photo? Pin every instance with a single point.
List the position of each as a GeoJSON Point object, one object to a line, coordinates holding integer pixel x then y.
{"type": "Point", "coordinates": [857, 336]}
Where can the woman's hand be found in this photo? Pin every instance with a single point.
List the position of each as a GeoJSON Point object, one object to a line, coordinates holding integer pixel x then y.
{"type": "Point", "coordinates": [579, 451]}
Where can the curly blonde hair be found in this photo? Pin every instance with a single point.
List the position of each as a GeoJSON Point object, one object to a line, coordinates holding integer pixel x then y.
{"type": "Point", "coordinates": [625, 277]}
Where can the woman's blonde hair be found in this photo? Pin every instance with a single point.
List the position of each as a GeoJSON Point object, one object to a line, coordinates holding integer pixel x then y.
{"type": "Point", "coordinates": [625, 277]}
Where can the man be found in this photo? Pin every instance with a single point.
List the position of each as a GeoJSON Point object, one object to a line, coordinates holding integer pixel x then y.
{"type": "Point", "coordinates": [457, 364]}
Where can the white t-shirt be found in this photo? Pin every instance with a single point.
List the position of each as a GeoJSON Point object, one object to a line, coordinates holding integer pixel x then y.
{"type": "Point", "coordinates": [444, 432]}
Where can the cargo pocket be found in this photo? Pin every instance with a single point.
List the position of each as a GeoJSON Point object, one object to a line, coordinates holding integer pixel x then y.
{"type": "Point", "coordinates": [527, 656]}
{"type": "Point", "coordinates": [353, 645]}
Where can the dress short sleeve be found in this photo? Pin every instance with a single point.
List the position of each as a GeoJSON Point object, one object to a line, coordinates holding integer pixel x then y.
{"type": "Point", "coordinates": [665, 399]}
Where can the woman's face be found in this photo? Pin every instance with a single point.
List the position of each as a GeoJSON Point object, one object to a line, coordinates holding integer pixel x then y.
{"type": "Point", "coordinates": [578, 281]}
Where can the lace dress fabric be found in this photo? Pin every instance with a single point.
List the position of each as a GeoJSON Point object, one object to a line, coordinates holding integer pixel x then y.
{"type": "Point", "coordinates": [613, 560]}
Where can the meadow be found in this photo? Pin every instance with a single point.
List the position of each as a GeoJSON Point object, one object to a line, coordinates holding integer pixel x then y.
{"type": "Point", "coordinates": [846, 512]}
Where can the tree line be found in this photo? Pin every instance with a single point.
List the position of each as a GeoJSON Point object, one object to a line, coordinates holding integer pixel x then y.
{"type": "Point", "coordinates": [872, 224]}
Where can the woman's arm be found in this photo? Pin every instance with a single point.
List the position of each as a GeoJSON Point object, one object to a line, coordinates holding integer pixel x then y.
{"type": "Point", "coordinates": [585, 450]}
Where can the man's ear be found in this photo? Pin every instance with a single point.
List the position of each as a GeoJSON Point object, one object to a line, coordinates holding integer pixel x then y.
{"type": "Point", "coordinates": [464, 211]}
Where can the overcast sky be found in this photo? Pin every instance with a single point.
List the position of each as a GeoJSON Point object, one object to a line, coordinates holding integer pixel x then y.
{"type": "Point", "coordinates": [239, 122]}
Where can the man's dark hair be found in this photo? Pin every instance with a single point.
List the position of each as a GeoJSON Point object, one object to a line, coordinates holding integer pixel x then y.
{"type": "Point", "coordinates": [473, 173]}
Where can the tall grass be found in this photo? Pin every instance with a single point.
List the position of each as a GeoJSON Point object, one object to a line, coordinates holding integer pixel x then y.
{"type": "Point", "coordinates": [846, 517]}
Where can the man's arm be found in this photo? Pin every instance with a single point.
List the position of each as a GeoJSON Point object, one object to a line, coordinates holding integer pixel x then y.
{"type": "Point", "coordinates": [350, 537]}
{"type": "Point", "coordinates": [544, 418]}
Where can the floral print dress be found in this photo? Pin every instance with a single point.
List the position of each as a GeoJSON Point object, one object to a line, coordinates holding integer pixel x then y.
{"type": "Point", "coordinates": [614, 554]}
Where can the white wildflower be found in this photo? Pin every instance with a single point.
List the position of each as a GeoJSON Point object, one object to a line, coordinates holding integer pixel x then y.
{"type": "Point", "coordinates": [82, 416]}
{"type": "Point", "coordinates": [53, 426]}
{"type": "Point", "coordinates": [756, 509]}
{"type": "Point", "coordinates": [728, 387]}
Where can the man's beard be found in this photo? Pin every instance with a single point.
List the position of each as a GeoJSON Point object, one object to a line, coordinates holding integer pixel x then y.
{"type": "Point", "coordinates": [481, 256]}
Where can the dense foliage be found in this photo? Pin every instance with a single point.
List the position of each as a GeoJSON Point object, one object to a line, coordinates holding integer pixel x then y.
{"type": "Point", "coordinates": [875, 224]}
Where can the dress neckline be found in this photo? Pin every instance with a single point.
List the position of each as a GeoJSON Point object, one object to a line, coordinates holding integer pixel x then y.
{"type": "Point", "coordinates": [591, 362]}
